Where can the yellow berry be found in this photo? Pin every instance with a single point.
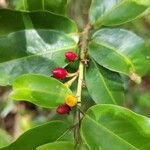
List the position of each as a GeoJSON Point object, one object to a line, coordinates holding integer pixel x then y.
{"type": "Point", "coordinates": [71, 101]}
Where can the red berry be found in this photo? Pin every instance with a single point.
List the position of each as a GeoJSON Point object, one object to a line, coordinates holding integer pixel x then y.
{"type": "Point", "coordinates": [59, 73]}
{"type": "Point", "coordinates": [71, 56]}
{"type": "Point", "coordinates": [63, 109]}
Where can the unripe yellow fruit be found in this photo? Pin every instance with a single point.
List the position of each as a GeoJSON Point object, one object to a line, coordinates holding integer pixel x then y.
{"type": "Point", "coordinates": [71, 101]}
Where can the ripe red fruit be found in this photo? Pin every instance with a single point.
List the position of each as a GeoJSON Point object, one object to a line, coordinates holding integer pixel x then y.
{"type": "Point", "coordinates": [59, 73]}
{"type": "Point", "coordinates": [63, 109]}
{"type": "Point", "coordinates": [71, 56]}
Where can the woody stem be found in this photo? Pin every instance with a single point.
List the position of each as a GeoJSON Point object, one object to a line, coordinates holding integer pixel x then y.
{"type": "Point", "coordinates": [83, 54]}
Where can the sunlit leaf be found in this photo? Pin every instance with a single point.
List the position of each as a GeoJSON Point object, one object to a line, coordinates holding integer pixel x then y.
{"type": "Point", "coordinates": [32, 51]}
{"type": "Point", "coordinates": [115, 12]}
{"type": "Point", "coordinates": [121, 51]}
{"type": "Point", "coordinates": [40, 90]}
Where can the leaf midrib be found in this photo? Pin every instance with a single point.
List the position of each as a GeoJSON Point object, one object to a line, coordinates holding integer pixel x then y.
{"type": "Point", "coordinates": [109, 131]}
{"type": "Point", "coordinates": [38, 54]}
{"type": "Point", "coordinates": [24, 4]}
{"type": "Point", "coordinates": [125, 58]}
{"type": "Point", "coordinates": [39, 91]}
{"type": "Point", "coordinates": [43, 4]}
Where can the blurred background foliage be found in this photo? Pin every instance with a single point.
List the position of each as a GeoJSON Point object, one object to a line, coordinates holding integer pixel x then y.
{"type": "Point", "coordinates": [16, 118]}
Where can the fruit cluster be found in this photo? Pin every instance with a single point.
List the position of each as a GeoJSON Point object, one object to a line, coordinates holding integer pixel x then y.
{"type": "Point", "coordinates": [61, 73]}
{"type": "Point", "coordinates": [66, 108]}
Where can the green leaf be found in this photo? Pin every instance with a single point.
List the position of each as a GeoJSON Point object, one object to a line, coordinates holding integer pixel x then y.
{"type": "Point", "coordinates": [11, 21]}
{"type": "Point", "coordinates": [5, 139]}
{"type": "Point", "coordinates": [118, 126]}
{"type": "Point", "coordinates": [41, 90]}
{"type": "Point", "coordinates": [144, 100]}
{"type": "Point", "coordinates": [105, 86]}
{"type": "Point", "coordinates": [57, 146]}
{"type": "Point", "coordinates": [32, 51]}
{"type": "Point", "coordinates": [115, 12]}
{"type": "Point", "coordinates": [63, 146]}
{"type": "Point", "coordinates": [37, 136]}
{"type": "Point", "coordinates": [121, 51]}
{"type": "Point", "coordinates": [57, 6]}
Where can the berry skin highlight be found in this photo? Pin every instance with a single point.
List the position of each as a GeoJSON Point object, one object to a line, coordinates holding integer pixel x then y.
{"type": "Point", "coordinates": [71, 56]}
{"type": "Point", "coordinates": [59, 73]}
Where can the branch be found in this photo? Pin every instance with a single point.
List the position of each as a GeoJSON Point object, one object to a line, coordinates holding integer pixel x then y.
{"type": "Point", "coordinates": [83, 59]}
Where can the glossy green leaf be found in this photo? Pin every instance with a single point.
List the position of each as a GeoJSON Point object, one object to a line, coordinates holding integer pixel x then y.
{"type": "Point", "coordinates": [105, 86]}
{"type": "Point", "coordinates": [37, 136]}
{"type": "Point", "coordinates": [112, 127]}
{"type": "Point", "coordinates": [32, 51]}
{"type": "Point", "coordinates": [115, 12]}
{"type": "Point", "coordinates": [5, 139]}
{"type": "Point", "coordinates": [56, 6]}
{"type": "Point", "coordinates": [121, 51]}
{"type": "Point", "coordinates": [11, 21]}
{"type": "Point", "coordinates": [41, 90]}
{"type": "Point", "coordinates": [57, 146]}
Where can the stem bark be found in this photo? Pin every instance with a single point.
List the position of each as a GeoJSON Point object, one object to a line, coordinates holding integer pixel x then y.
{"type": "Point", "coordinates": [83, 61]}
